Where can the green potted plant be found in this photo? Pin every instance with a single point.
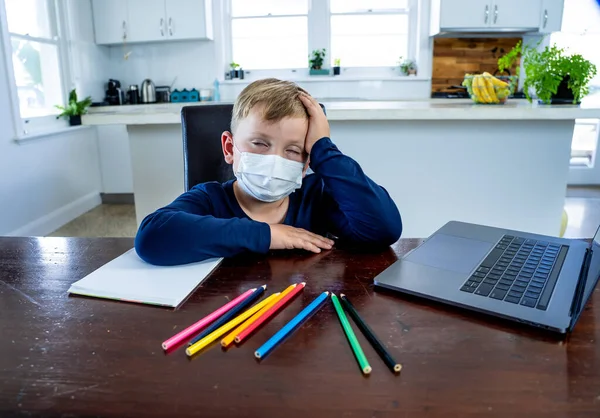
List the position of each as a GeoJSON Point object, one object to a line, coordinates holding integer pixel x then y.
{"type": "Point", "coordinates": [407, 66]}
{"type": "Point", "coordinates": [508, 60]}
{"type": "Point", "coordinates": [233, 70]}
{"type": "Point", "coordinates": [316, 62]}
{"type": "Point", "coordinates": [336, 66]}
{"type": "Point", "coordinates": [74, 109]}
{"type": "Point", "coordinates": [555, 76]}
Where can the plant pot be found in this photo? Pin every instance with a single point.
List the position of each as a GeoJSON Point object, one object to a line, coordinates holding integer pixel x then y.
{"type": "Point", "coordinates": [234, 74]}
{"type": "Point", "coordinates": [412, 71]}
{"type": "Point", "coordinates": [563, 95]}
{"type": "Point", "coordinates": [336, 70]}
{"type": "Point", "coordinates": [320, 71]}
{"type": "Point", "coordinates": [75, 120]}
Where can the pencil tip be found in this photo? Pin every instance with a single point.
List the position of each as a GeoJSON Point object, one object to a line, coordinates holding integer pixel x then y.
{"type": "Point", "coordinates": [342, 295]}
{"type": "Point", "coordinates": [397, 368]}
{"type": "Point", "coordinates": [303, 283]}
{"type": "Point", "coordinates": [367, 370]}
{"type": "Point", "coordinates": [256, 354]}
{"type": "Point", "coordinates": [264, 286]}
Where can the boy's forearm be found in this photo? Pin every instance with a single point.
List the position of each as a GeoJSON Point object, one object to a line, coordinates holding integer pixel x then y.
{"type": "Point", "coordinates": [367, 213]}
{"type": "Point", "coordinates": [173, 237]}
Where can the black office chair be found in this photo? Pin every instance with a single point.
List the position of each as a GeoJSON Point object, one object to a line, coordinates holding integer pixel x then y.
{"type": "Point", "coordinates": [202, 153]}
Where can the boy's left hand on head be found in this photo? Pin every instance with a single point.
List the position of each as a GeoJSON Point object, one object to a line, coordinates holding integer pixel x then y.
{"type": "Point", "coordinates": [318, 126]}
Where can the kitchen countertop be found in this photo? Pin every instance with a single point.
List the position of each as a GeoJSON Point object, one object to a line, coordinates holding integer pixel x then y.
{"type": "Point", "coordinates": [340, 110]}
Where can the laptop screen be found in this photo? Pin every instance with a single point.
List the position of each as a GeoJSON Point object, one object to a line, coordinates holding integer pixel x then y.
{"type": "Point", "coordinates": [593, 272]}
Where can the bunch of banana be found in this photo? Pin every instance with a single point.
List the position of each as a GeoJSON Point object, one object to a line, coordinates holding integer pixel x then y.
{"type": "Point", "coordinates": [489, 89]}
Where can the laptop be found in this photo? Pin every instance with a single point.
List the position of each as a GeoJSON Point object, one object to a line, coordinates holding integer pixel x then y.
{"type": "Point", "coordinates": [533, 279]}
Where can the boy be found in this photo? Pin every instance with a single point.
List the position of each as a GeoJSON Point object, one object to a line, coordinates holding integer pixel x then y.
{"type": "Point", "coordinates": [277, 132]}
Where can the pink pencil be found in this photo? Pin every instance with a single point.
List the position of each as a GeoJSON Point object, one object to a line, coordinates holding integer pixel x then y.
{"type": "Point", "coordinates": [193, 329]}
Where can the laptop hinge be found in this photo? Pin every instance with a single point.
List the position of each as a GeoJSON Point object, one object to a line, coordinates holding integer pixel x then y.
{"type": "Point", "coordinates": [580, 289]}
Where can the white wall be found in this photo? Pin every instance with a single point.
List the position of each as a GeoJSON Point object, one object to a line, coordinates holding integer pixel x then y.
{"type": "Point", "coordinates": [46, 182]}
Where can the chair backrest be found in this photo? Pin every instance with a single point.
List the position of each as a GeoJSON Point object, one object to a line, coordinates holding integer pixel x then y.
{"type": "Point", "coordinates": [202, 127]}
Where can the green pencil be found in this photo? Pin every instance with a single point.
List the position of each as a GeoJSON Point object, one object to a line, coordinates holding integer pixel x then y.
{"type": "Point", "coordinates": [358, 352]}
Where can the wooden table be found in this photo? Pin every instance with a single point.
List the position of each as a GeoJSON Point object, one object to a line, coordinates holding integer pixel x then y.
{"type": "Point", "coordinates": [89, 357]}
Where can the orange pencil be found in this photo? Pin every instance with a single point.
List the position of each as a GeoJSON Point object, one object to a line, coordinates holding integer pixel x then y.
{"type": "Point", "coordinates": [225, 342]}
{"type": "Point", "coordinates": [270, 313]}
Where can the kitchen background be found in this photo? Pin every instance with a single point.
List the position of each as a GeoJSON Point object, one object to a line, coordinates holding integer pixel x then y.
{"type": "Point", "coordinates": [444, 41]}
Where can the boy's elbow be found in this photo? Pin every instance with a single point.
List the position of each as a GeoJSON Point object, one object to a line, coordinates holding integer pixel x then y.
{"type": "Point", "coordinates": [391, 229]}
{"type": "Point", "coordinates": [147, 250]}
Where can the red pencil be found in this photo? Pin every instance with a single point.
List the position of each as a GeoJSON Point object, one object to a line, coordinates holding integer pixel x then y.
{"type": "Point", "coordinates": [192, 330]}
{"type": "Point", "coordinates": [271, 312]}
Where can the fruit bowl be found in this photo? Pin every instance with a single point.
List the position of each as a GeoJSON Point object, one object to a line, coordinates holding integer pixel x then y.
{"type": "Point", "coordinates": [487, 89]}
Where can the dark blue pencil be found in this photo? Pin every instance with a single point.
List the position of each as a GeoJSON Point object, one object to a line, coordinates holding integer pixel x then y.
{"type": "Point", "coordinates": [231, 314]}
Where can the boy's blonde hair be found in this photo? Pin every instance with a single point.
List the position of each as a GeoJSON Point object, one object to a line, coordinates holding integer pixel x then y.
{"type": "Point", "coordinates": [278, 99]}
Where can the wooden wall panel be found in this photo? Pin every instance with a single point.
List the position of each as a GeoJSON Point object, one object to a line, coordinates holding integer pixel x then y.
{"type": "Point", "coordinates": [453, 57]}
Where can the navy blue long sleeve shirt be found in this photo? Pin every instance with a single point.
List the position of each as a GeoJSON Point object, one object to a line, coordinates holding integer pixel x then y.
{"type": "Point", "coordinates": [207, 221]}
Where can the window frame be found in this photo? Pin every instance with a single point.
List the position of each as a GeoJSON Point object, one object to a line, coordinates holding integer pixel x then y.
{"type": "Point", "coordinates": [26, 127]}
{"type": "Point", "coordinates": [319, 36]}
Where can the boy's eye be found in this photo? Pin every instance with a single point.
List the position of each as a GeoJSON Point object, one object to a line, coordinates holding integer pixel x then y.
{"type": "Point", "coordinates": [294, 151]}
{"type": "Point", "coordinates": [260, 144]}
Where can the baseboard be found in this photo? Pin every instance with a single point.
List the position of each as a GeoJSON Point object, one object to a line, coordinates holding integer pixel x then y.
{"type": "Point", "coordinates": [117, 198]}
{"type": "Point", "coordinates": [55, 219]}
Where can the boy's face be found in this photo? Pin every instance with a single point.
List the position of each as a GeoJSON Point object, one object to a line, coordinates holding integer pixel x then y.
{"type": "Point", "coordinates": [284, 138]}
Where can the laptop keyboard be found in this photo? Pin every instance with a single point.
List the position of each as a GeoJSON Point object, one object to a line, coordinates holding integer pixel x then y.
{"type": "Point", "coordinates": [518, 270]}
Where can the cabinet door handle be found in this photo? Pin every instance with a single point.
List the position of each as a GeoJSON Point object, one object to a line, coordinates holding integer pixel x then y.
{"type": "Point", "coordinates": [495, 13]}
{"type": "Point", "coordinates": [124, 30]}
{"type": "Point", "coordinates": [486, 15]}
{"type": "Point", "coordinates": [170, 27]}
{"type": "Point", "coordinates": [545, 17]}
{"type": "Point", "coordinates": [161, 26]}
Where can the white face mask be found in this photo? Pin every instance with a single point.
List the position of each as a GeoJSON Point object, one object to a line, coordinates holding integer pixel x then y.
{"type": "Point", "coordinates": [268, 178]}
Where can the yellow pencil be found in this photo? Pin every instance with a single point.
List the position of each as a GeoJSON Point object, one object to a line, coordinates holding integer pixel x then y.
{"type": "Point", "coordinates": [225, 342]}
{"type": "Point", "coordinates": [193, 349]}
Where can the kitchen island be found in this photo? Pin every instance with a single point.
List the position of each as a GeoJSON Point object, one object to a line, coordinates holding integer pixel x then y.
{"type": "Point", "coordinates": [440, 160]}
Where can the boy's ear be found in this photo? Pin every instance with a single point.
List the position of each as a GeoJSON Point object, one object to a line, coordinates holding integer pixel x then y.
{"type": "Point", "coordinates": [227, 145]}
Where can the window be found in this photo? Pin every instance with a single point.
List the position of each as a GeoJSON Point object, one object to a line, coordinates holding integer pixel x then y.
{"type": "Point", "coordinates": [369, 33]}
{"type": "Point", "coordinates": [269, 33]}
{"type": "Point", "coordinates": [580, 34]}
{"type": "Point", "coordinates": [280, 34]}
{"type": "Point", "coordinates": [35, 50]}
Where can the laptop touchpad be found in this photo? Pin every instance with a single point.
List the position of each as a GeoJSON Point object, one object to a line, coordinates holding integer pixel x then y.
{"type": "Point", "coordinates": [452, 253]}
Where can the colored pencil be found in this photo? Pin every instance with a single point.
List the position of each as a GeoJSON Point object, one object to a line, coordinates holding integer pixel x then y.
{"type": "Point", "coordinates": [358, 352]}
{"type": "Point", "coordinates": [270, 313]}
{"type": "Point", "coordinates": [229, 338]}
{"type": "Point", "coordinates": [288, 328]}
{"type": "Point", "coordinates": [370, 335]}
{"type": "Point", "coordinates": [195, 328]}
{"type": "Point", "coordinates": [193, 349]}
{"type": "Point", "coordinates": [230, 315]}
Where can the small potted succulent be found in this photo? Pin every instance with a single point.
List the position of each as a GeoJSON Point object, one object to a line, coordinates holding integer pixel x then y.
{"type": "Point", "coordinates": [407, 66]}
{"type": "Point", "coordinates": [74, 109]}
{"type": "Point", "coordinates": [336, 66]}
{"type": "Point", "coordinates": [316, 62]}
{"type": "Point", "coordinates": [234, 72]}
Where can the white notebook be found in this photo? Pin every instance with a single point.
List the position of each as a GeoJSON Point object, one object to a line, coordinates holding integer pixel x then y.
{"type": "Point", "coordinates": [131, 279]}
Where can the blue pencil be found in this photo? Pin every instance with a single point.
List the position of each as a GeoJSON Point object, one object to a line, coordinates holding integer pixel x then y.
{"type": "Point", "coordinates": [230, 315]}
{"type": "Point", "coordinates": [288, 328]}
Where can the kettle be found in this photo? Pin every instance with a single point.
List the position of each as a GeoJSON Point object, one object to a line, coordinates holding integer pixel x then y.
{"type": "Point", "coordinates": [148, 91]}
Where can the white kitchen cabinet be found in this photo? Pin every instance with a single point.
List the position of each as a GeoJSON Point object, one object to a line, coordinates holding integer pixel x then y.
{"type": "Point", "coordinates": [137, 21]}
{"type": "Point", "coordinates": [551, 17]}
{"type": "Point", "coordinates": [110, 21]}
{"type": "Point", "coordinates": [146, 20]}
{"type": "Point", "coordinates": [515, 14]}
{"type": "Point", "coordinates": [464, 14]}
{"type": "Point", "coordinates": [189, 19]}
{"type": "Point", "coordinates": [528, 16]}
